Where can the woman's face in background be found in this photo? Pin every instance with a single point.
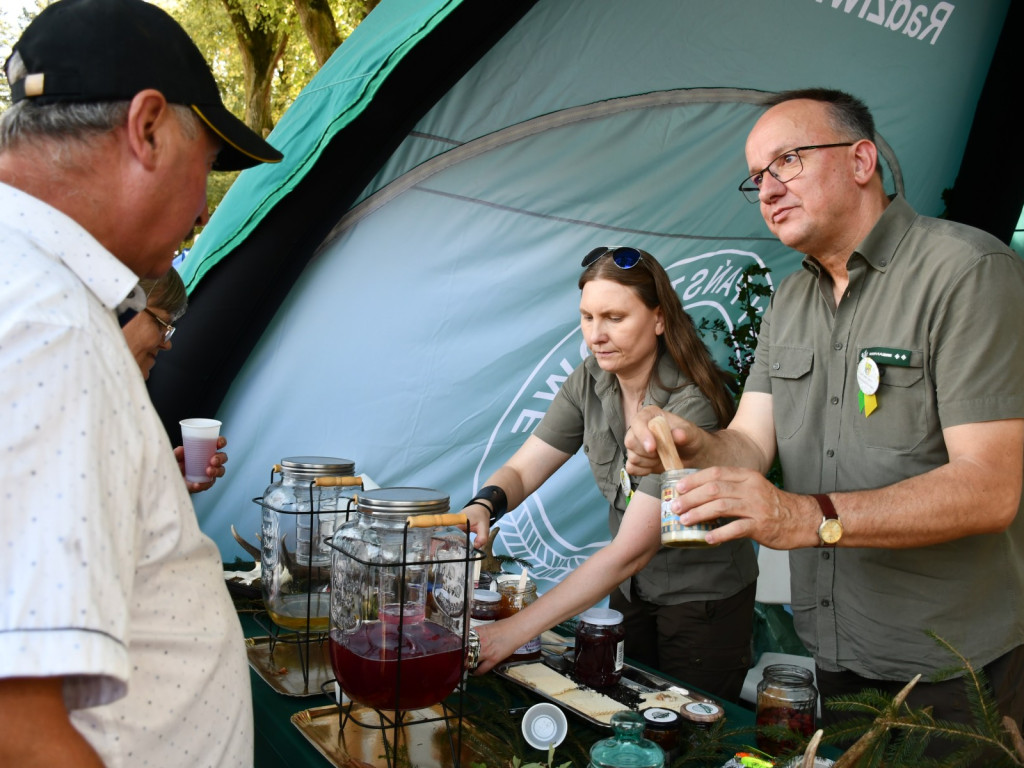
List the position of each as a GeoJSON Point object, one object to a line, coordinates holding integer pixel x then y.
{"type": "Point", "coordinates": [619, 329]}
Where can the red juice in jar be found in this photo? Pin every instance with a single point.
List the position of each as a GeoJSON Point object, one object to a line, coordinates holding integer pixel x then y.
{"type": "Point", "coordinates": [366, 662]}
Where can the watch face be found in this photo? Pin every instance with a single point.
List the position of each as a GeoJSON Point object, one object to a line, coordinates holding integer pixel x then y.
{"type": "Point", "coordinates": [830, 531]}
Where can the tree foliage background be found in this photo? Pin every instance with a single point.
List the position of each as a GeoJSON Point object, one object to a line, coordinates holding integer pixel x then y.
{"type": "Point", "coordinates": [262, 52]}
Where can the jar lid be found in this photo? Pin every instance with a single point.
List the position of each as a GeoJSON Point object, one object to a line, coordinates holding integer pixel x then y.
{"type": "Point", "coordinates": [602, 617]}
{"type": "Point", "coordinates": [702, 712]}
{"type": "Point", "coordinates": [485, 596]}
{"type": "Point", "coordinates": [660, 719]}
{"type": "Point", "coordinates": [402, 502]}
{"type": "Point", "coordinates": [317, 466]}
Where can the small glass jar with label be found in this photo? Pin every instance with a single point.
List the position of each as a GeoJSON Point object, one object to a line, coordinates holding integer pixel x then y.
{"type": "Point", "coordinates": [662, 726]}
{"type": "Point", "coordinates": [516, 594]}
{"type": "Point", "coordinates": [600, 638]}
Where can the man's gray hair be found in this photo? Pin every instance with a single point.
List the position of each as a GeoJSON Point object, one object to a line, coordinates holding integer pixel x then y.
{"type": "Point", "coordinates": [69, 121]}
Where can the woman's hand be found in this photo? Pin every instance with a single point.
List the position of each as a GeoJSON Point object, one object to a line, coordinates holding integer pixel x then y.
{"type": "Point", "coordinates": [498, 641]}
{"type": "Point", "coordinates": [479, 523]}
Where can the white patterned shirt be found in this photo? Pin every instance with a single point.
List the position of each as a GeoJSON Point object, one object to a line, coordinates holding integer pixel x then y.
{"type": "Point", "coordinates": [105, 577]}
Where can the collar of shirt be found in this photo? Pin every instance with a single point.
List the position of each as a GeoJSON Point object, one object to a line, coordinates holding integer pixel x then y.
{"type": "Point", "coordinates": [114, 284]}
{"type": "Point", "coordinates": [879, 247]}
{"type": "Point", "coordinates": [606, 383]}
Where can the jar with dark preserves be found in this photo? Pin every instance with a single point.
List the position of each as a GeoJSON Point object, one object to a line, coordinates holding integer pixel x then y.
{"type": "Point", "coordinates": [515, 597]}
{"type": "Point", "coordinates": [787, 698]}
{"type": "Point", "coordinates": [662, 727]}
{"type": "Point", "coordinates": [600, 638]}
{"type": "Point", "coordinates": [486, 607]}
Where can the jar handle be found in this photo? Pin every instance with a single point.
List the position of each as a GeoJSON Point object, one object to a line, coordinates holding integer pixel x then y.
{"type": "Point", "coordinates": [336, 481]}
{"type": "Point", "coordinates": [436, 521]}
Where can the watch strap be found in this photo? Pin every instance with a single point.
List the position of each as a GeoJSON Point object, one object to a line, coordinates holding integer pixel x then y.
{"type": "Point", "coordinates": [828, 512]}
{"type": "Point", "coordinates": [828, 509]}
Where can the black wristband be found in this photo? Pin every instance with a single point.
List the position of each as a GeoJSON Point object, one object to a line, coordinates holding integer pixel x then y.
{"type": "Point", "coordinates": [495, 496]}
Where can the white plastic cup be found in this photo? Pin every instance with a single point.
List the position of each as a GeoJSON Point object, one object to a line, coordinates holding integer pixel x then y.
{"type": "Point", "coordinates": [199, 436]}
{"type": "Point", "coordinates": [544, 725]}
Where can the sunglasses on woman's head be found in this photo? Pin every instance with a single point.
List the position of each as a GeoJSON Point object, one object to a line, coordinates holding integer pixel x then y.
{"type": "Point", "coordinates": [623, 256]}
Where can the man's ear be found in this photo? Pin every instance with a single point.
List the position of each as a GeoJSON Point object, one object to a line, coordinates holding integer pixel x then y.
{"type": "Point", "coordinates": [147, 114]}
{"type": "Point", "coordinates": [865, 160]}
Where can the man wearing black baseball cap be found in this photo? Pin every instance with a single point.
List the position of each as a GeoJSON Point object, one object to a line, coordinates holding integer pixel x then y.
{"type": "Point", "coordinates": [118, 641]}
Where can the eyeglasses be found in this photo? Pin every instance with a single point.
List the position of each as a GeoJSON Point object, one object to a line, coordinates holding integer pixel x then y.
{"type": "Point", "coordinates": [623, 256]}
{"type": "Point", "coordinates": [783, 168]}
{"type": "Point", "coordinates": [167, 328]}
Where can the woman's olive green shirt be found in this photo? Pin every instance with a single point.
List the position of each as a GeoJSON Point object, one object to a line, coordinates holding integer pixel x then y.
{"type": "Point", "coordinates": [587, 412]}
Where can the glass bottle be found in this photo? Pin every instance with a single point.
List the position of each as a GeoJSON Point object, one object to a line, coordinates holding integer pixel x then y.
{"type": "Point", "coordinates": [627, 748]}
{"type": "Point", "coordinates": [787, 698]}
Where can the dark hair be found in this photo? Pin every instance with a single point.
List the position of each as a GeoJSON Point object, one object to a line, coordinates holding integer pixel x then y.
{"type": "Point", "coordinates": [849, 116]}
{"type": "Point", "coordinates": [651, 284]}
{"type": "Point", "coordinates": [167, 293]}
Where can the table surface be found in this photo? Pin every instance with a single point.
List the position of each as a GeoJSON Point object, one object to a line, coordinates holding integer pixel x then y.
{"type": "Point", "coordinates": [279, 744]}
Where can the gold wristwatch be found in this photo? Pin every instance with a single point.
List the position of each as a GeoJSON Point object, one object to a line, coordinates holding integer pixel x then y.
{"type": "Point", "coordinates": [831, 529]}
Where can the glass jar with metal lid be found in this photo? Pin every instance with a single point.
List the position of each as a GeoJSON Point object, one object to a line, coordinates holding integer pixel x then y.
{"type": "Point", "coordinates": [388, 649]}
{"type": "Point", "coordinates": [308, 497]}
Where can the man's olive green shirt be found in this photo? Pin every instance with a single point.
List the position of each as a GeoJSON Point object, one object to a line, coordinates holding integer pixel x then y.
{"type": "Point", "coordinates": [940, 308]}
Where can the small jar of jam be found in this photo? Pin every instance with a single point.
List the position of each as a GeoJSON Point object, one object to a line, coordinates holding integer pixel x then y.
{"type": "Point", "coordinates": [786, 697]}
{"type": "Point", "coordinates": [513, 600]}
{"type": "Point", "coordinates": [600, 638]}
{"type": "Point", "coordinates": [486, 604]}
{"type": "Point", "coordinates": [662, 727]}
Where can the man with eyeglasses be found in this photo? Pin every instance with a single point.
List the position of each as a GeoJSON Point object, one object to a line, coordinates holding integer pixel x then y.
{"type": "Point", "coordinates": [888, 380]}
{"type": "Point", "coordinates": [119, 645]}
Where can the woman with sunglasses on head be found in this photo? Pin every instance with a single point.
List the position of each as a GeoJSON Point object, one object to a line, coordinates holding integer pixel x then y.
{"type": "Point", "coordinates": [687, 612]}
{"type": "Point", "coordinates": [149, 333]}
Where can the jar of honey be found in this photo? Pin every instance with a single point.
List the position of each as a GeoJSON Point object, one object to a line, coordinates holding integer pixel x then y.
{"type": "Point", "coordinates": [600, 638]}
{"type": "Point", "coordinates": [515, 597]}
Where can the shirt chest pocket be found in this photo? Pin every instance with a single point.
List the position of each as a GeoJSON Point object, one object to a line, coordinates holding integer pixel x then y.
{"type": "Point", "coordinates": [790, 371]}
{"type": "Point", "coordinates": [605, 464]}
{"type": "Point", "coordinates": [901, 420]}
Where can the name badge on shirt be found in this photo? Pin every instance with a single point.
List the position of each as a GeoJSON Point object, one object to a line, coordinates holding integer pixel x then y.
{"type": "Point", "coordinates": [887, 356]}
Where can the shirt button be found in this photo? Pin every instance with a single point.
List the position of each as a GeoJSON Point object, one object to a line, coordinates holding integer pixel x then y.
{"type": "Point", "coordinates": [825, 603]}
{"type": "Point", "coordinates": [838, 345]}
{"type": "Point", "coordinates": [830, 453]}
{"type": "Point", "coordinates": [835, 400]}
{"type": "Point", "coordinates": [775, 366]}
{"type": "Point", "coordinates": [826, 555]}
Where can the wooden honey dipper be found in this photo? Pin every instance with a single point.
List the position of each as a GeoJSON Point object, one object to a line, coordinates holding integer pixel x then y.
{"type": "Point", "coordinates": [666, 445]}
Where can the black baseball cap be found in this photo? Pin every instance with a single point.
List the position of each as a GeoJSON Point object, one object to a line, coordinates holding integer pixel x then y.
{"type": "Point", "coordinates": [109, 50]}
